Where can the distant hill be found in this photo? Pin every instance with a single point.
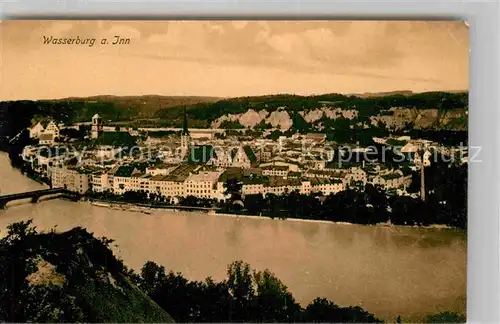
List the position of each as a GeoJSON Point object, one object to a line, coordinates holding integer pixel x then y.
{"type": "Point", "coordinates": [392, 93]}
{"type": "Point", "coordinates": [146, 106]}
{"type": "Point", "coordinates": [383, 94]}
{"type": "Point", "coordinates": [326, 113]}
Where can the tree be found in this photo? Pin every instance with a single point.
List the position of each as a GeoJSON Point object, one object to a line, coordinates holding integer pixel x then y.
{"type": "Point", "coordinates": [321, 310]}
{"type": "Point", "coordinates": [273, 302]}
{"type": "Point", "coordinates": [152, 276]}
{"type": "Point", "coordinates": [16, 263]}
{"type": "Point", "coordinates": [233, 187]}
{"type": "Point", "coordinates": [446, 317]}
{"type": "Point", "coordinates": [241, 289]}
{"type": "Point", "coordinates": [254, 203]}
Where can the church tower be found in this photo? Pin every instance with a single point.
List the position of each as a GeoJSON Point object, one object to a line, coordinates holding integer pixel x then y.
{"type": "Point", "coordinates": [185, 138]}
{"type": "Point", "coordinates": [96, 126]}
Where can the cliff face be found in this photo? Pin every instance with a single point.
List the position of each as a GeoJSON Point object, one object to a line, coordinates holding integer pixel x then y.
{"type": "Point", "coordinates": [67, 277]}
{"type": "Point", "coordinates": [392, 119]}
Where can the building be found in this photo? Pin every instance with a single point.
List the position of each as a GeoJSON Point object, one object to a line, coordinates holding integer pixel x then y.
{"type": "Point", "coordinates": [275, 170]}
{"type": "Point", "coordinates": [417, 158]}
{"type": "Point", "coordinates": [46, 139]}
{"type": "Point", "coordinates": [166, 186]}
{"type": "Point", "coordinates": [72, 179]}
{"type": "Point", "coordinates": [279, 185]}
{"type": "Point", "coordinates": [326, 186]}
{"type": "Point", "coordinates": [203, 185]}
{"type": "Point", "coordinates": [201, 154]}
{"type": "Point", "coordinates": [100, 182]}
{"type": "Point", "coordinates": [185, 138]}
{"type": "Point", "coordinates": [326, 173]}
{"type": "Point", "coordinates": [162, 169]}
{"type": "Point", "coordinates": [107, 152]}
{"type": "Point", "coordinates": [125, 178]}
{"type": "Point", "coordinates": [36, 130]}
{"type": "Point", "coordinates": [392, 181]}
{"type": "Point", "coordinates": [292, 165]}
{"type": "Point", "coordinates": [49, 128]}
{"type": "Point", "coordinates": [47, 158]}
{"type": "Point", "coordinates": [52, 128]}
{"type": "Point", "coordinates": [356, 175]}
{"type": "Point", "coordinates": [266, 152]}
{"type": "Point", "coordinates": [172, 184]}
{"type": "Point", "coordinates": [317, 138]}
{"type": "Point", "coordinates": [253, 185]}
{"type": "Point", "coordinates": [97, 127]}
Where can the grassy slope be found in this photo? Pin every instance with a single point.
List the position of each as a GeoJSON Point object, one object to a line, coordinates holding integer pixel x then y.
{"type": "Point", "coordinates": [95, 282]}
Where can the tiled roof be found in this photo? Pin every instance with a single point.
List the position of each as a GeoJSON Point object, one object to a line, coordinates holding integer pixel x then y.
{"type": "Point", "coordinates": [124, 171]}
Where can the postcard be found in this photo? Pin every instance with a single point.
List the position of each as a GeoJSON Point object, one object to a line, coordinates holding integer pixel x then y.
{"type": "Point", "coordinates": [233, 171]}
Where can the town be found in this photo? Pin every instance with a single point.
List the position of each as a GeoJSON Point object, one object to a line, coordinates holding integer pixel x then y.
{"type": "Point", "coordinates": [199, 162]}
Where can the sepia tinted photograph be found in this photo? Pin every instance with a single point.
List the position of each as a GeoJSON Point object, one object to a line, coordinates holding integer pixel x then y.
{"type": "Point", "coordinates": [234, 171]}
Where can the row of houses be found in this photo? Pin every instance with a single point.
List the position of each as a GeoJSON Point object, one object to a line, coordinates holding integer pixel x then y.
{"type": "Point", "coordinates": [186, 180]}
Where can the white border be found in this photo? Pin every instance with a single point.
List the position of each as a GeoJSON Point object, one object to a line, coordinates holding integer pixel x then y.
{"type": "Point", "coordinates": [483, 277]}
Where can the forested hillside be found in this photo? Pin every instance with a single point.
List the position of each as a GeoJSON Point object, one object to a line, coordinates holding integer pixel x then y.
{"type": "Point", "coordinates": [436, 111]}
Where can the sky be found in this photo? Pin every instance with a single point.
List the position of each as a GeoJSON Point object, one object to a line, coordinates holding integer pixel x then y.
{"type": "Point", "coordinates": [231, 58]}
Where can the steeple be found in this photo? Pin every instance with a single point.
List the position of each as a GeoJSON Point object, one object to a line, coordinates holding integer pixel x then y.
{"type": "Point", "coordinates": [185, 130]}
{"type": "Point", "coordinates": [185, 140]}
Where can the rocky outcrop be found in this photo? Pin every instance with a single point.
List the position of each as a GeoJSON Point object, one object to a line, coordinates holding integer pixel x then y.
{"type": "Point", "coordinates": [396, 118]}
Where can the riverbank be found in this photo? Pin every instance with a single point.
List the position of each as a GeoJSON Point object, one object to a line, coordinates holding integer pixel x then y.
{"type": "Point", "coordinates": [150, 208]}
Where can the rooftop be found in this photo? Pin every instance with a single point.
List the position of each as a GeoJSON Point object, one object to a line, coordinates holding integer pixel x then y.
{"type": "Point", "coordinates": [204, 176]}
{"type": "Point", "coordinates": [276, 167]}
{"type": "Point", "coordinates": [322, 181]}
{"type": "Point", "coordinates": [280, 182]}
{"type": "Point", "coordinates": [46, 137]}
{"type": "Point", "coordinates": [124, 171]}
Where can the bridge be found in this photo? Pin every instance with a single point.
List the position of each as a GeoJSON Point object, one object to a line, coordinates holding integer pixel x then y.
{"type": "Point", "coordinates": [33, 195]}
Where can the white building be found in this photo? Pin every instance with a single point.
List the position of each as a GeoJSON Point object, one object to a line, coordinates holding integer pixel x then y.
{"type": "Point", "coordinates": [97, 127]}
{"type": "Point", "coordinates": [167, 186]}
{"type": "Point", "coordinates": [72, 179]}
{"type": "Point", "coordinates": [276, 170]}
{"type": "Point", "coordinates": [100, 182]}
{"type": "Point", "coordinates": [36, 130]}
{"type": "Point", "coordinates": [326, 186]}
{"type": "Point", "coordinates": [203, 185]}
{"type": "Point", "coordinates": [52, 128]}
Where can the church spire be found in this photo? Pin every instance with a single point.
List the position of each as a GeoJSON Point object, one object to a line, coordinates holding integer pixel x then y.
{"type": "Point", "coordinates": [185, 130]}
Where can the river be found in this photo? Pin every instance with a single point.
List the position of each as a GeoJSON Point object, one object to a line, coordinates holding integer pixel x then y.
{"type": "Point", "coordinates": [388, 271]}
